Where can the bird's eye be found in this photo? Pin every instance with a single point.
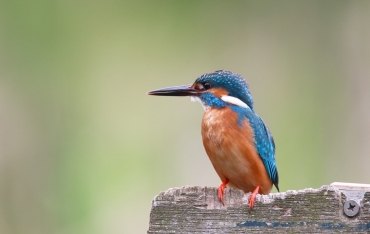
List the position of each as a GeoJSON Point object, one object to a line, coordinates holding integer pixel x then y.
{"type": "Point", "coordinates": [207, 86]}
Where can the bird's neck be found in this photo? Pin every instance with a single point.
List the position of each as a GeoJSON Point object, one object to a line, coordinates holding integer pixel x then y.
{"type": "Point", "coordinates": [210, 100]}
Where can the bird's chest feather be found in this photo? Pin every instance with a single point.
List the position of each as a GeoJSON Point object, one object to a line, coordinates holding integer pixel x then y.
{"type": "Point", "coordinates": [222, 131]}
{"type": "Point", "coordinates": [231, 147]}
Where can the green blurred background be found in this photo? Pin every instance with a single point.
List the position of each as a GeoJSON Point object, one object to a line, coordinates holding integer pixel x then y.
{"type": "Point", "coordinates": [83, 149]}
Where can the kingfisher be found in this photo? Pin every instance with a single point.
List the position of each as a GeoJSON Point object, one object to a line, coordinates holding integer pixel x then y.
{"type": "Point", "coordinates": [237, 141]}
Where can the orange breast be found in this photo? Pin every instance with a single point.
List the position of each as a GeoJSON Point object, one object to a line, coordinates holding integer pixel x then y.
{"type": "Point", "coordinates": [231, 149]}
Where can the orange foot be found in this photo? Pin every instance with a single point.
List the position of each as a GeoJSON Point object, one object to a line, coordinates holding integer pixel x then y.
{"type": "Point", "coordinates": [221, 189]}
{"type": "Point", "coordinates": [252, 198]}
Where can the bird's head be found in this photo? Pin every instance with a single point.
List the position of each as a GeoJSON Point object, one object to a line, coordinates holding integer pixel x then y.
{"type": "Point", "coordinates": [216, 89]}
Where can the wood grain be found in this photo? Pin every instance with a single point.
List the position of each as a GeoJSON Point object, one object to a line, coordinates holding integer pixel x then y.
{"type": "Point", "coordinates": [198, 210]}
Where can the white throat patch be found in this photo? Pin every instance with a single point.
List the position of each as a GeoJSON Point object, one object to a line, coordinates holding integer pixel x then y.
{"type": "Point", "coordinates": [197, 99]}
{"type": "Point", "coordinates": [234, 101]}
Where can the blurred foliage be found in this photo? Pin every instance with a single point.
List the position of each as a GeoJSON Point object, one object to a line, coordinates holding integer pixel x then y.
{"type": "Point", "coordinates": [83, 149]}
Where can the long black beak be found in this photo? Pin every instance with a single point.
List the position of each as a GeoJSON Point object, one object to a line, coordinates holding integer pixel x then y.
{"type": "Point", "coordinates": [183, 90]}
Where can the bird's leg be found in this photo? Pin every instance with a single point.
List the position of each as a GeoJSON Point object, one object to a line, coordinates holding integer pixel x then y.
{"type": "Point", "coordinates": [252, 197]}
{"type": "Point", "coordinates": [221, 189]}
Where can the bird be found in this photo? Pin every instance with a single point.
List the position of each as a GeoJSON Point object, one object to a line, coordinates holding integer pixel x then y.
{"type": "Point", "coordinates": [237, 141]}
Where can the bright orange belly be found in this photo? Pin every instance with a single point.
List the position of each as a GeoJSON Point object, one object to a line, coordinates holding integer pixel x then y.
{"type": "Point", "coordinates": [231, 149]}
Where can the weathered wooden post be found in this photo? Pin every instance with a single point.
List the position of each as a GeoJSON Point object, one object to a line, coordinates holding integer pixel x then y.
{"type": "Point", "coordinates": [340, 207]}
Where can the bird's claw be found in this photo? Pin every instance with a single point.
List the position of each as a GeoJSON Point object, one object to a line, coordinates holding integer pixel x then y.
{"type": "Point", "coordinates": [252, 198]}
{"type": "Point", "coordinates": [221, 189]}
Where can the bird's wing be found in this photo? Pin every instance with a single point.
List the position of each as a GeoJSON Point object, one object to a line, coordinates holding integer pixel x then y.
{"type": "Point", "coordinates": [264, 142]}
{"type": "Point", "coordinates": [266, 148]}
